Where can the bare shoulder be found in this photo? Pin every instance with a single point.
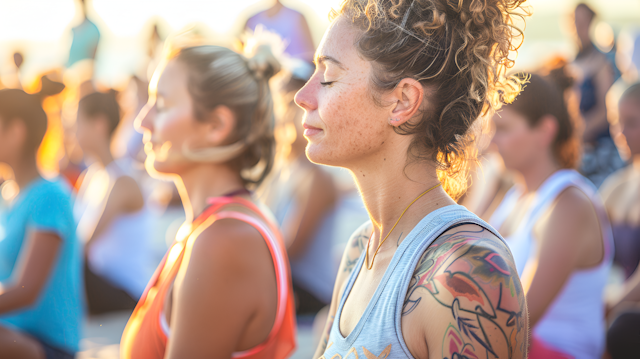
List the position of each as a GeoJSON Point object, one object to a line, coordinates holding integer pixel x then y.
{"type": "Point", "coordinates": [572, 205]}
{"type": "Point", "coordinates": [232, 245]}
{"type": "Point", "coordinates": [616, 183]}
{"type": "Point", "coordinates": [465, 299]}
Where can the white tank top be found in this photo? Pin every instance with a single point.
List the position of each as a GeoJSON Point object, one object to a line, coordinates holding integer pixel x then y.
{"type": "Point", "coordinates": [122, 253]}
{"type": "Point", "coordinates": [574, 322]}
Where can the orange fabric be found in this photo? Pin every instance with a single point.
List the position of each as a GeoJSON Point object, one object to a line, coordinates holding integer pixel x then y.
{"type": "Point", "coordinates": [143, 338]}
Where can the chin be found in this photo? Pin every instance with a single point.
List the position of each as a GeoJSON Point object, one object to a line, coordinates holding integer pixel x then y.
{"type": "Point", "coordinates": [322, 155]}
{"type": "Point", "coordinates": [158, 169]}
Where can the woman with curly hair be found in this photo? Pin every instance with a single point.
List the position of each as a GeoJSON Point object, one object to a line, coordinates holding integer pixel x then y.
{"type": "Point", "coordinates": [397, 87]}
{"type": "Point", "coordinates": [224, 287]}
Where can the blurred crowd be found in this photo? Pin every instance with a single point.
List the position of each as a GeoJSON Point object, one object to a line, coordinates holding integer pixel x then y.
{"type": "Point", "coordinates": [77, 157]}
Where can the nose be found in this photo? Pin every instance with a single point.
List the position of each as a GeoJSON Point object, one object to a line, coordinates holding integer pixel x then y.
{"type": "Point", "coordinates": [144, 120]}
{"type": "Point", "coordinates": [306, 97]}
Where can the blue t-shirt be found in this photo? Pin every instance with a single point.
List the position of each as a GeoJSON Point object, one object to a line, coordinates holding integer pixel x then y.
{"type": "Point", "coordinates": [56, 316]}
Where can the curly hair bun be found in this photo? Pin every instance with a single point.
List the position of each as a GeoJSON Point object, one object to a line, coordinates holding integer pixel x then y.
{"type": "Point", "coordinates": [459, 49]}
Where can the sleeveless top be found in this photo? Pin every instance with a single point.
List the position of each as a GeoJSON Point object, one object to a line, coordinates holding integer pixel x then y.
{"type": "Point", "coordinates": [378, 333]}
{"type": "Point", "coordinates": [285, 23]}
{"type": "Point", "coordinates": [574, 322]}
{"type": "Point", "coordinates": [146, 336]}
{"type": "Point", "coordinates": [122, 253]}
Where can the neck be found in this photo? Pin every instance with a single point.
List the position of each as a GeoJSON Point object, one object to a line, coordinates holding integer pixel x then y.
{"type": "Point", "coordinates": [277, 5]}
{"type": "Point", "coordinates": [25, 171]}
{"type": "Point", "coordinates": [103, 155]}
{"type": "Point", "coordinates": [635, 161]}
{"type": "Point", "coordinates": [537, 172]}
{"type": "Point", "coordinates": [388, 186]}
{"type": "Point", "coordinates": [205, 181]}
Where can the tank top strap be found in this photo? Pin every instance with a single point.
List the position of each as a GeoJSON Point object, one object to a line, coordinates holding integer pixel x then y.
{"type": "Point", "coordinates": [548, 192]}
{"type": "Point", "coordinates": [145, 332]}
{"type": "Point", "coordinates": [282, 276]}
{"type": "Point", "coordinates": [379, 328]}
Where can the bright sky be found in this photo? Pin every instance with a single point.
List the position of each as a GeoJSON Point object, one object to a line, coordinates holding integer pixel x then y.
{"type": "Point", "coordinates": [41, 27]}
{"type": "Point", "coordinates": [48, 20]}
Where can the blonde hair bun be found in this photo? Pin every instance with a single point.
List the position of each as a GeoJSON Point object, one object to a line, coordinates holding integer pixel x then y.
{"type": "Point", "coordinates": [263, 64]}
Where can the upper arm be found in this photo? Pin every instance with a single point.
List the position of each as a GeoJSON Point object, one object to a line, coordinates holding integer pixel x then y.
{"type": "Point", "coordinates": [37, 261]}
{"type": "Point", "coordinates": [465, 297]}
{"type": "Point", "coordinates": [355, 246]}
{"type": "Point", "coordinates": [317, 199]}
{"type": "Point", "coordinates": [561, 236]}
{"type": "Point", "coordinates": [604, 81]}
{"type": "Point", "coordinates": [124, 197]}
{"type": "Point", "coordinates": [306, 30]}
{"type": "Point", "coordinates": [217, 290]}
{"type": "Point", "coordinates": [34, 266]}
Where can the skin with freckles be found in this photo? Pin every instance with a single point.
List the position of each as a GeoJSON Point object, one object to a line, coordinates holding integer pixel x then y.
{"type": "Point", "coordinates": [338, 102]}
{"type": "Point", "coordinates": [346, 127]}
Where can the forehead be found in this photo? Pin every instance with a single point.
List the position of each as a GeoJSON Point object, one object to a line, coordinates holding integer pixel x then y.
{"type": "Point", "coordinates": [339, 43]}
{"type": "Point", "coordinates": [173, 78]}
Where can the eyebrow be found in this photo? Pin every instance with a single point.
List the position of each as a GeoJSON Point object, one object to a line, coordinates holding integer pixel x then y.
{"type": "Point", "coordinates": [324, 58]}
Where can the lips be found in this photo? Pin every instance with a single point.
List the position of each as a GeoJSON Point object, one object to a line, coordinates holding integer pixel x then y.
{"type": "Point", "coordinates": [310, 130]}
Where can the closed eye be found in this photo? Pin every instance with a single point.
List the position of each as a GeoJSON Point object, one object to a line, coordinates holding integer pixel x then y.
{"type": "Point", "coordinates": [328, 83]}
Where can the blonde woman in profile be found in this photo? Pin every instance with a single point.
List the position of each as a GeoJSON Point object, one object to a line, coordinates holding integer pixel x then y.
{"type": "Point", "coordinates": [397, 86]}
{"type": "Point", "coordinates": [223, 289]}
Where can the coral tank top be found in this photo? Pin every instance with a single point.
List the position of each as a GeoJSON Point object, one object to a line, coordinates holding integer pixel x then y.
{"type": "Point", "coordinates": [146, 336]}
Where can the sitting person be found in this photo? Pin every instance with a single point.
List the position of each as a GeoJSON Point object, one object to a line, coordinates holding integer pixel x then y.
{"type": "Point", "coordinates": [113, 220]}
{"type": "Point", "coordinates": [554, 224]}
{"type": "Point", "coordinates": [394, 104]}
{"type": "Point", "coordinates": [41, 306]}
{"type": "Point", "coordinates": [223, 289]}
{"type": "Point", "coordinates": [621, 193]}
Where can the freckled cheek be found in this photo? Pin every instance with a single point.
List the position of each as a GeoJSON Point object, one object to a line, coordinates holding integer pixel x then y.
{"type": "Point", "coordinates": [347, 116]}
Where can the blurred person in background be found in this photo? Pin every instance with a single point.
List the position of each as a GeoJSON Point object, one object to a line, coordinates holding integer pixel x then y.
{"type": "Point", "coordinates": [41, 306]}
{"type": "Point", "coordinates": [290, 25]}
{"type": "Point", "coordinates": [595, 77]}
{"type": "Point", "coordinates": [621, 194]}
{"type": "Point", "coordinates": [303, 197]}
{"type": "Point", "coordinates": [85, 38]}
{"type": "Point", "coordinates": [421, 279]}
{"type": "Point", "coordinates": [12, 76]}
{"type": "Point", "coordinates": [224, 287]}
{"type": "Point", "coordinates": [554, 223]}
{"type": "Point", "coordinates": [489, 180]}
{"type": "Point", "coordinates": [113, 220]}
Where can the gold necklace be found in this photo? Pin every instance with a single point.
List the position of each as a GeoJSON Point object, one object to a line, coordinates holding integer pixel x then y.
{"type": "Point", "coordinates": [392, 228]}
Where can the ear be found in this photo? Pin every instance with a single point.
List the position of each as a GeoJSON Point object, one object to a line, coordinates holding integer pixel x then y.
{"type": "Point", "coordinates": [407, 99]}
{"type": "Point", "coordinates": [220, 124]}
{"type": "Point", "coordinates": [548, 127]}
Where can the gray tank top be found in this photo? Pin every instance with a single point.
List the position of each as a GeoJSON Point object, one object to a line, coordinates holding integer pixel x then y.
{"type": "Point", "coordinates": [378, 333]}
